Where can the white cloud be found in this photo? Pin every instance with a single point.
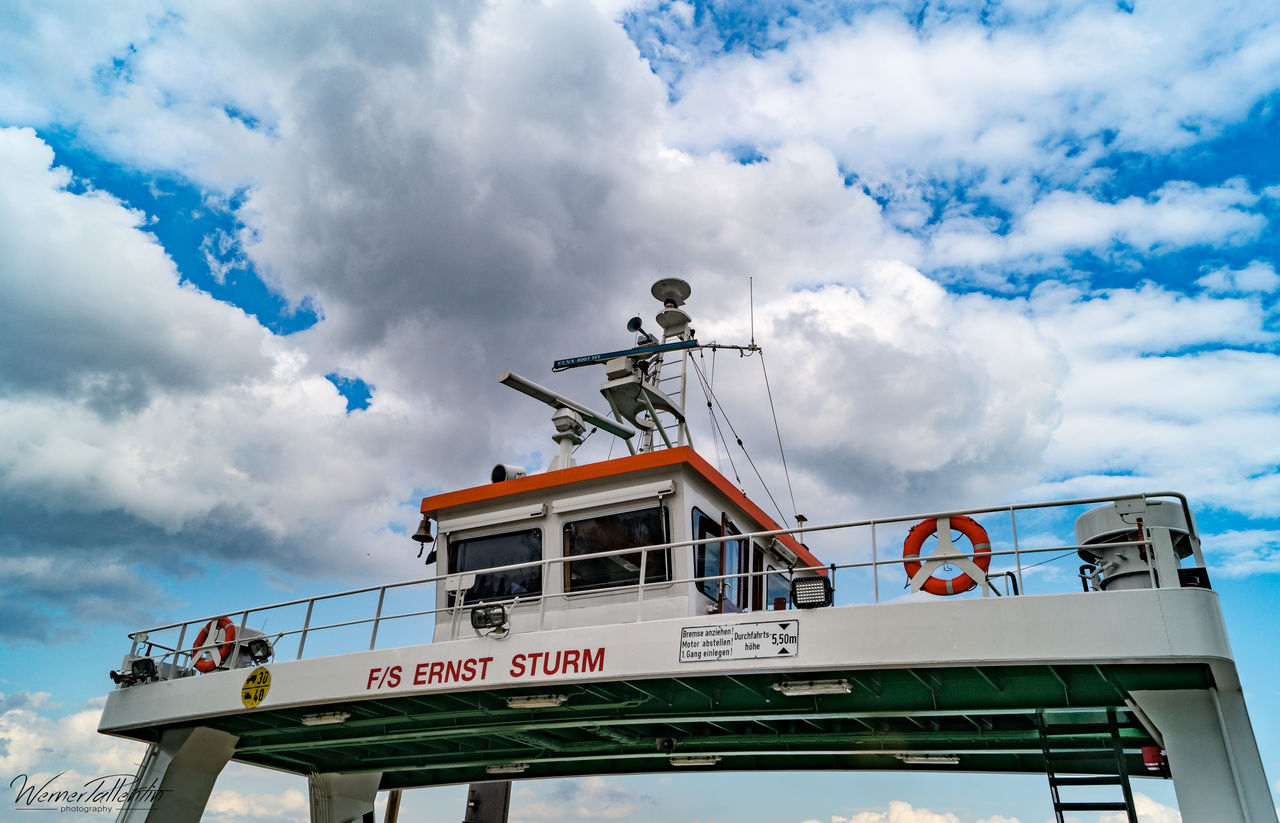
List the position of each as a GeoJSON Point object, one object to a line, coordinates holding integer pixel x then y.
{"type": "Point", "coordinates": [1037, 91]}
{"type": "Point", "coordinates": [1258, 276]}
{"type": "Point", "coordinates": [588, 798]}
{"type": "Point", "coordinates": [1149, 811]}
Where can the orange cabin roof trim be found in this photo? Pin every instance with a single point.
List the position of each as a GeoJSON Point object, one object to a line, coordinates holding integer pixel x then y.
{"type": "Point", "coordinates": [431, 506]}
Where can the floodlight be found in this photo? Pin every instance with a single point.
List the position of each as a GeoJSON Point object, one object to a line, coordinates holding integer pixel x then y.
{"type": "Point", "coordinates": [811, 592]}
{"type": "Point", "coordinates": [695, 759]}
{"type": "Point", "coordinates": [259, 649]}
{"type": "Point", "coordinates": [144, 668]}
{"type": "Point", "coordinates": [488, 617]}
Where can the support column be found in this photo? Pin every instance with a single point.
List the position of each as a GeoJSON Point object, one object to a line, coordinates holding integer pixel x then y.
{"type": "Point", "coordinates": [343, 798]}
{"type": "Point", "coordinates": [1216, 767]}
{"type": "Point", "coordinates": [488, 802]}
{"type": "Point", "coordinates": [177, 775]}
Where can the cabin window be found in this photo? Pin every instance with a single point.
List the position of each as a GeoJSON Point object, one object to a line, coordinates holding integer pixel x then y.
{"type": "Point", "coordinates": [778, 586]}
{"type": "Point", "coordinates": [757, 578]}
{"type": "Point", "coordinates": [477, 553]}
{"type": "Point", "coordinates": [711, 559]}
{"type": "Point", "coordinates": [609, 532]}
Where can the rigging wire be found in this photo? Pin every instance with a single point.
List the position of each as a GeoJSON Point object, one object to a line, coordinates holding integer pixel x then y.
{"type": "Point", "coordinates": [736, 437]}
{"type": "Point", "coordinates": [776, 429]}
{"type": "Point", "coordinates": [715, 422]}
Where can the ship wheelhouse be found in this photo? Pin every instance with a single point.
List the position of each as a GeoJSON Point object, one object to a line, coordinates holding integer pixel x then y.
{"type": "Point", "coordinates": [553, 548]}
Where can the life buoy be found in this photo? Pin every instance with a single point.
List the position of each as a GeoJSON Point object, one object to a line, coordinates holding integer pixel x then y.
{"type": "Point", "coordinates": [962, 582]}
{"type": "Point", "coordinates": [205, 662]}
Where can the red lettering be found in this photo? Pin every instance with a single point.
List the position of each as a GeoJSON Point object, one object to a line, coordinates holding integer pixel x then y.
{"type": "Point", "coordinates": [420, 675]}
{"type": "Point", "coordinates": [517, 666]}
{"type": "Point", "coordinates": [434, 674]}
{"type": "Point", "coordinates": [373, 675]}
{"type": "Point", "coordinates": [547, 668]}
{"type": "Point", "coordinates": [393, 677]}
{"type": "Point", "coordinates": [452, 670]}
{"type": "Point", "coordinates": [484, 667]}
{"type": "Point", "coordinates": [469, 670]}
{"type": "Point", "coordinates": [592, 663]}
{"type": "Point", "coordinates": [571, 661]}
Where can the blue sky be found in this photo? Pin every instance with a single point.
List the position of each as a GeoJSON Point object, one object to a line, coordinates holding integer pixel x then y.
{"type": "Point", "coordinates": [259, 270]}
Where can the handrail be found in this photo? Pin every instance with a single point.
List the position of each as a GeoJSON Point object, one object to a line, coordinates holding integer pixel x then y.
{"type": "Point", "coordinates": [378, 618]}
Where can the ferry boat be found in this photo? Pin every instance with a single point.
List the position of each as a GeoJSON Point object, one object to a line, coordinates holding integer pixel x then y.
{"type": "Point", "coordinates": [642, 614]}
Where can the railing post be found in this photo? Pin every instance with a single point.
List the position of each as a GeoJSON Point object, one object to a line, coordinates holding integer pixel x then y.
{"type": "Point", "coordinates": [644, 557]}
{"type": "Point", "coordinates": [875, 568]}
{"type": "Point", "coordinates": [377, 615]}
{"type": "Point", "coordinates": [1017, 556]}
{"type": "Point", "coordinates": [306, 624]}
{"type": "Point", "coordinates": [182, 639]}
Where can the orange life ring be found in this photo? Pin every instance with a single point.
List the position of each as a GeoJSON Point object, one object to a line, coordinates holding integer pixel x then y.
{"type": "Point", "coordinates": [962, 582]}
{"type": "Point", "coordinates": [205, 663]}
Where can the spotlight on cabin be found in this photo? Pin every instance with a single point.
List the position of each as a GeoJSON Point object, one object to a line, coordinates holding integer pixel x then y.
{"type": "Point", "coordinates": [144, 669]}
{"type": "Point", "coordinates": [259, 649]}
{"type": "Point", "coordinates": [141, 669]}
{"type": "Point", "coordinates": [489, 618]}
{"type": "Point", "coordinates": [811, 592]}
{"type": "Point", "coordinates": [505, 471]}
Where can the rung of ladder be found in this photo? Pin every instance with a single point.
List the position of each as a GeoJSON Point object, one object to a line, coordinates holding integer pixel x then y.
{"type": "Point", "coordinates": [1104, 780]}
{"type": "Point", "coordinates": [1091, 807]}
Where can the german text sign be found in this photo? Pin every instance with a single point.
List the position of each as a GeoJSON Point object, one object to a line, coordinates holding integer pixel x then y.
{"type": "Point", "coordinates": [740, 641]}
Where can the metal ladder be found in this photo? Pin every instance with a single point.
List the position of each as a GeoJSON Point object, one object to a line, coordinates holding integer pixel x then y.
{"type": "Point", "coordinates": [673, 384]}
{"type": "Point", "coordinates": [1065, 750]}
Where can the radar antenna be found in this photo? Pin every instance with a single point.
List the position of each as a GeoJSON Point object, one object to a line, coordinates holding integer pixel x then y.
{"type": "Point", "coordinates": [569, 418]}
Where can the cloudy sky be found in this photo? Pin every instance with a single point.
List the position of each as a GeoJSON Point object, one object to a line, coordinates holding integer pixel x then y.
{"type": "Point", "coordinates": [261, 266]}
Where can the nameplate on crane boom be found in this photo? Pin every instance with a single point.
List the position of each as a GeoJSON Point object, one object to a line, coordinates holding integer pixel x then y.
{"type": "Point", "coordinates": [740, 641]}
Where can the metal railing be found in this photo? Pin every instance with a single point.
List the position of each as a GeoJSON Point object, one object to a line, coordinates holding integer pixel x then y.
{"type": "Point", "coordinates": [175, 659]}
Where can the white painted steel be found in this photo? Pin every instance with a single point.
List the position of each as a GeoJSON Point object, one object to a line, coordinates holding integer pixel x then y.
{"type": "Point", "coordinates": [629, 494]}
{"type": "Point", "coordinates": [342, 798]}
{"type": "Point", "coordinates": [1217, 771]}
{"type": "Point", "coordinates": [1165, 625]}
{"type": "Point", "coordinates": [514, 515]}
{"type": "Point", "coordinates": [177, 775]}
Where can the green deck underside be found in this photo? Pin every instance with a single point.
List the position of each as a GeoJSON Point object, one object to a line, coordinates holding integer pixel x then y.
{"type": "Point", "coordinates": [987, 716]}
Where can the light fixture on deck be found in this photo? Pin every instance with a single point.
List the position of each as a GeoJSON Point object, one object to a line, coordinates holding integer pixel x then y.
{"type": "Point", "coordinates": [259, 649]}
{"type": "Point", "coordinates": [506, 768]}
{"type": "Point", "coordinates": [141, 669]}
{"type": "Point", "coordinates": [324, 718]}
{"type": "Point", "coordinates": [798, 688]}
{"type": "Point", "coordinates": [536, 701]}
{"type": "Point", "coordinates": [929, 759]}
{"type": "Point", "coordinates": [695, 759]}
{"type": "Point", "coordinates": [811, 592]}
{"type": "Point", "coordinates": [490, 620]}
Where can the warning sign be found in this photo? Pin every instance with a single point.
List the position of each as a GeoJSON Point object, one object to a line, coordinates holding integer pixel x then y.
{"type": "Point", "coordinates": [740, 641]}
{"type": "Point", "coordinates": [255, 688]}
